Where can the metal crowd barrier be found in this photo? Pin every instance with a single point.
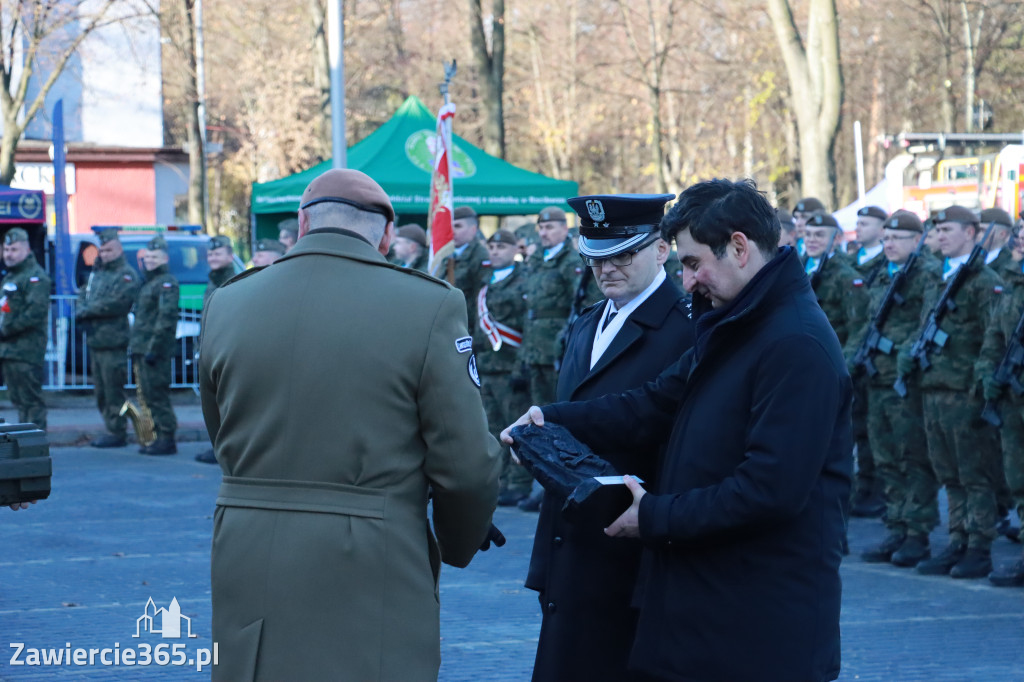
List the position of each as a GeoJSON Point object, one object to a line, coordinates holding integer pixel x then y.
{"type": "Point", "coordinates": [67, 351]}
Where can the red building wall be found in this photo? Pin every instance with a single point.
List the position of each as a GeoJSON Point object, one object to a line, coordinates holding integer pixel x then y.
{"type": "Point", "coordinates": [112, 194]}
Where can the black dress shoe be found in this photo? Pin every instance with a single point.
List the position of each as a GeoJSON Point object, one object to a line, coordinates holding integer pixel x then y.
{"type": "Point", "coordinates": [913, 551]}
{"type": "Point", "coordinates": [944, 563]}
{"type": "Point", "coordinates": [882, 554]}
{"type": "Point", "coordinates": [109, 441]}
{"type": "Point", "coordinates": [206, 457]}
{"type": "Point", "coordinates": [1011, 575]}
{"type": "Point", "coordinates": [161, 446]}
{"type": "Point", "coordinates": [977, 563]}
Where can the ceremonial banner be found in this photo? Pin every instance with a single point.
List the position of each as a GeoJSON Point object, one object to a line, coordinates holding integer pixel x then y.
{"type": "Point", "coordinates": [439, 219]}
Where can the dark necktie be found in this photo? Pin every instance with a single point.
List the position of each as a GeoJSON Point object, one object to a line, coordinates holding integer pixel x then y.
{"type": "Point", "coordinates": [608, 319]}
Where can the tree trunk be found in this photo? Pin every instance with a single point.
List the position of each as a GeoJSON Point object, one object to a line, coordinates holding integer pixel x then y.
{"type": "Point", "coordinates": [195, 141]}
{"type": "Point", "coordinates": [321, 77]}
{"type": "Point", "coordinates": [491, 67]}
{"type": "Point", "coordinates": [816, 90]}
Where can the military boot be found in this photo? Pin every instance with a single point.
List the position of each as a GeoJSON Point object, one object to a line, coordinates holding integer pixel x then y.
{"type": "Point", "coordinates": [913, 551]}
{"type": "Point", "coordinates": [976, 563]}
{"type": "Point", "coordinates": [883, 552]}
{"type": "Point", "coordinates": [109, 440]}
{"type": "Point", "coordinates": [1011, 575]}
{"type": "Point", "coordinates": [161, 446]}
{"type": "Point", "coordinates": [944, 563]}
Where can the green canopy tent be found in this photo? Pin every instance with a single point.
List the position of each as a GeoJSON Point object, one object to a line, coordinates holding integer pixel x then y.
{"type": "Point", "coordinates": [399, 155]}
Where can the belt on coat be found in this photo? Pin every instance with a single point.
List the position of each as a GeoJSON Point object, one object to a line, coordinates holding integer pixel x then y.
{"type": "Point", "coordinates": [301, 496]}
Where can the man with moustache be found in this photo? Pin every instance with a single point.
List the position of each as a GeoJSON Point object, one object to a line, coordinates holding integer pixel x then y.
{"type": "Point", "coordinates": [584, 578]}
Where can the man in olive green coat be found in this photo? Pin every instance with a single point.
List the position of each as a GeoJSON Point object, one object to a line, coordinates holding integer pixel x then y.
{"type": "Point", "coordinates": [963, 455]}
{"type": "Point", "coordinates": [24, 309]}
{"type": "Point", "coordinates": [102, 310]}
{"type": "Point", "coordinates": [153, 344]}
{"type": "Point", "coordinates": [361, 396]}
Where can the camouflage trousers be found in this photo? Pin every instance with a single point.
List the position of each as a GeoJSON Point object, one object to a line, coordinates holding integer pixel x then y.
{"type": "Point", "coordinates": [867, 477]}
{"type": "Point", "coordinates": [109, 375]}
{"type": "Point", "coordinates": [964, 452]}
{"type": "Point", "coordinates": [503, 406]}
{"type": "Point", "coordinates": [1012, 436]}
{"type": "Point", "coordinates": [155, 389]}
{"type": "Point", "coordinates": [543, 384]}
{"type": "Point", "coordinates": [25, 386]}
{"type": "Point", "coordinates": [901, 460]}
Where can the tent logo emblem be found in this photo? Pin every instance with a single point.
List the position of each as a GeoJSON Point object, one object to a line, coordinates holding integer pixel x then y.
{"type": "Point", "coordinates": [596, 210]}
{"type": "Point", "coordinates": [29, 205]}
{"type": "Point", "coordinates": [421, 146]}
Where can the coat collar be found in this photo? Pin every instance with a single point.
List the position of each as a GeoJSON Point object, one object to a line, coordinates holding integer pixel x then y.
{"type": "Point", "coordinates": [334, 241]}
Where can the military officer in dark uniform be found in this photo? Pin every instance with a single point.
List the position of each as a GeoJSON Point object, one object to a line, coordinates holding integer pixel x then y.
{"type": "Point", "coordinates": [869, 261]}
{"type": "Point", "coordinates": [498, 337]}
{"type": "Point", "coordinates": [410, 247]}
{"type": "Point", "coordinates": [963, 456]}
{"type": "Point", "coordinates": [470, 258]}
{"type": "Point", "coordinates": [102, 311]}
{"type": "Point", "coordinates": [24, 307]}
{"type": "Point", "coordinates": [153, 342]}
{"type": "Point", "coordinates": [266, 252]}
{"type": "Point", "coordinates": [585, 579]}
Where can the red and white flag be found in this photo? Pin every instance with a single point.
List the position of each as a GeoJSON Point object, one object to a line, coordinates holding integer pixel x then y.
{"type": "Point", "coordinates": [439, 219]}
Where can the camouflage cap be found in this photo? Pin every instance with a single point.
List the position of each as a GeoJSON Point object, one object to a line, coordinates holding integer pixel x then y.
{"type": "Point", "coordinates": [823, 220]}
{"type": "Point", "coordinates": [809, 205]}
{"type": "Point", "coordinates": [904, 220]}
{"type": "Point", "coordinates": [15, 234]}
{"type": "Point", "coordinates": [157, 243]}
{"type": "Point", "coordinates": [348, 186]}
{"type": "Point", "coordinates": [107, 235]}
{"type": "Point", "coordinates": [219, 242]}
{"type": "Point", "coordinates": [551, 214]}
{"type": "Point", "coordinates": [464, 213]}
{"type": "Point", "coordinates": [997, 216]}
{"type": "Point", "coordinates": [956, 214]}
{"type": "Point", "coordinates": [269, 245]}
{"type": "Point", "coordinates": [503, 237]}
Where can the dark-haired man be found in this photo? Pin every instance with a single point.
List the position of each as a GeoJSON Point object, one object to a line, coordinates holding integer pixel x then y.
{"type": "Point", "coordinates": [744, 527]}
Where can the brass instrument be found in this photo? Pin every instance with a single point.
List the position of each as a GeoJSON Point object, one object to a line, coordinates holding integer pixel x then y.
{"type": "Point", "coordinates": [140, 417]}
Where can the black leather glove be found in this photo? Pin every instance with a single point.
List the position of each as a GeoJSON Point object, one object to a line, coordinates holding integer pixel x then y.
{"type": "Point", "coordinates": [150, 359]}
{"type": "Point", "coordinates": [493, 536]}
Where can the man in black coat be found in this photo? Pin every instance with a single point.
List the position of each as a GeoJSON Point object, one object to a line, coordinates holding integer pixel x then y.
{"type": "Point", "coordinates": [585, 579]}
{"type": "Point", "coordinates": [743, 529]}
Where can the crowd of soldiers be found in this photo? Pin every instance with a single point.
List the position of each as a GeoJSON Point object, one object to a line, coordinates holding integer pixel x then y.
{"type": "Point", "coordinates": [930, 326]}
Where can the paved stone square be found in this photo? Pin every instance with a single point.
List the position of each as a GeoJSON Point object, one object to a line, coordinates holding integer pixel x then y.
{"type": "Point", "coordinates": [77, 570]}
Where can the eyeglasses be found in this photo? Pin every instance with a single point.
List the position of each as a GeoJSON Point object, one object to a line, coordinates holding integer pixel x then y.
{"type": "Point", "coordinates": [619, 260]}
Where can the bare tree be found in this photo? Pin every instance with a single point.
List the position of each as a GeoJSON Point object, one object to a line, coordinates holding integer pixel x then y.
{"type": "Point", "coordinates": [490, 64]}
{"type": "Point", "coordinates": [815, 88]}
{"type": "Point", "coordinates": [38, 38]}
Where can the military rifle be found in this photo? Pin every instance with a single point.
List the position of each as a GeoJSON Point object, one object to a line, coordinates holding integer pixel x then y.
{"type": "Point", "coordinates": [931, 334]}
{"type": "Point", "coordinates": [816, 275]}
{"type": "Point", "coordinates": [874, 341]}
{"type": "Point", "coordinates": [1007, 372]}
{"type": "Point", "coordinates": [574, 313]}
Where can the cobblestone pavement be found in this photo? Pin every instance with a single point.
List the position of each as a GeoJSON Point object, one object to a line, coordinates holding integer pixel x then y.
{"type": "Point", "coordinates": [77, 570]}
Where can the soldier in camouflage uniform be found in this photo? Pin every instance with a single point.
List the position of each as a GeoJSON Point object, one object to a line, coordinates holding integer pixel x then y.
{"type": "Point", "coordinates": [411, 247]}
{"type": "Point", "coordinates": [998, 256]}
{"type": "Point", "coordinates": [1010, 405]}
{"type": "Point", "coordinates": [961, 450]}
{"type": "Point", "coordinates": [803, 211]}
{"type": "Point", "coordinates": [24, 312]}
{"type": "Point", "coordinates": [102, 311]}
{"type": "Point", "coordinates": [471, 259]}
{"type": "Point", "coordinates": [220, 258]}
{"type": "Point", "coordinates": [839, 288]}
{"type": "Point", "coordinates": [501, 310]}
{"type": "Point", "coordinates": [895, 425]}
{"type": "Point", "coordinates": [266, 252]}
{"type": "Point", "coordinates": [868, 261]}
{"type": "Point", "coordinates": [152, 341]}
